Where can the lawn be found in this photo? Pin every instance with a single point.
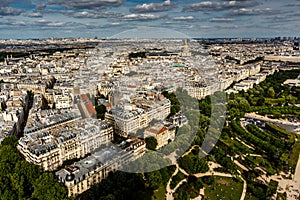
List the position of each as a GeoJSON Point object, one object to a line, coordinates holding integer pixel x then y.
{"type": "Point", "coordinates": [159, 193]}
{"type": "Point", "coordinates": [250, 197]}
{"type": "Point", "coordinates": [224, 188]}
{"type": "Point", "coordinates": [294, 156]}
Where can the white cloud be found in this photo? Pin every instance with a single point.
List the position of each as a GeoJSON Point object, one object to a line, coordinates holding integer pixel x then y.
{"type": "Point", "coordinates": [259, 11]}
{"type": "Point", "coordinates": [141, 17]}
{"type": "Point", "coordinates": [211, 6]}
{"type": "Point", "coordinates": [222, 19]}
{"type": "Point", "coordinates": [35, 15]}
{"type": "Point", "coordinates": [152, 7]}
{"type": "Point", "coordinates": [184, 18]}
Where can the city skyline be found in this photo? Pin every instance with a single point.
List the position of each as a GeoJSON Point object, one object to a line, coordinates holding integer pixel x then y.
{"type": "Point", "coordinates": [30, 19]}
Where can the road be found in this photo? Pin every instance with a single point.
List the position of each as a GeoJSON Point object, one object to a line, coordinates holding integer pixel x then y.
{"type": "Point", "coordinates": [289, 126]}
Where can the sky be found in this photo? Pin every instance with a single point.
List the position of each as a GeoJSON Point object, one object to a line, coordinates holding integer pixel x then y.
{"type": "Point", "coordinates": [33, 19]}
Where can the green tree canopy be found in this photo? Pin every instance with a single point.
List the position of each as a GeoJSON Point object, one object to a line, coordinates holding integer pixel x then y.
{"type": "Point", "coordinates": [153, 179]}
{"type": "Point", "coordinates": [151, 143]}
{"type": "Point", "coordinates": [271, 92]}
{"type": "Point", "coordinates": [101, 110]}
{"type": "Point", "coordinates": [20, 179]}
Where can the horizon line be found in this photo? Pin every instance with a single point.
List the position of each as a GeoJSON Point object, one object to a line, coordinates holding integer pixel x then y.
{"type": "Point", "coordinates": [169, 38]}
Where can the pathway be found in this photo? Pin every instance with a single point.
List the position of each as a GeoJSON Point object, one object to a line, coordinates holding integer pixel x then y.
{"type": "Point", "coordinates": [297, 174]}
{"type": "Point", "coordinates": [211, 172]}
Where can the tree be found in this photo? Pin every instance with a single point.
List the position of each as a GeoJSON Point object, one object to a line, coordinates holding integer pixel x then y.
{"type": "Point", "coordinates": [231, 96]}
{"type": "Point", "coordinates": [175, 105]}
{"type": "Point", "coordinates": [244, 105]}
{"type": "Point", "coordinates": [118, 185]}
{"type": "Point", "coordinates": [46, 187]}
{"type": "Point", "coordinates": [271, 92]}
{"type": "Point", "coordinates": [192, 164]}
{"type": "Point", "coordinates": [11, 141]}
{"type": "Point", "coordinates": [136, 55]}
{"type": "Point", "coordinates": [272, 187]}
{"type": "Point", "coordinates": [101, 110]}
{"type": "Point", "coordinates": [109, 197]}
{"type": "Point", "coordinates": [151, 143]}
{"type": "Point", "coordinates": [22, 180]}
{"type": "Point", "coordinates": [260, 101]}
{"type": "Point", "coordinates": [153, 179]}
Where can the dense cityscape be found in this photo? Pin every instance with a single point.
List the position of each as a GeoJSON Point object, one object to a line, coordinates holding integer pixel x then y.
{"type": "Point", "coordinates": [149, 100]}
{"type": "Point", "coordinates": [83, 114]}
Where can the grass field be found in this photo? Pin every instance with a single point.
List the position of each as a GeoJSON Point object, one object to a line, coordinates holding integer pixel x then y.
{"type": "Point", "coordinates": [250, 197]}
{"type": "Point", "coordinates": [224, 188]}
{"type": "Point", "coordinates": [294, 156]}
{"type": "Point", "coordinates": [159, 193]}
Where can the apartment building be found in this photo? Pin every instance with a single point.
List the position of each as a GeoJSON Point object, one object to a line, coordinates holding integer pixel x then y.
{"type": "Point", "coordinates": [130, 116]}
{"type": "Point", "coordinates": [105, 87]}
{"type": "Point", "coordinates": [50, 147]}
{"type": "Point", "coordinates": [82, 175]}
{"type": "Point", "coordinates": [60, 97]}
{"type": "Point", "coordinates": [86, 107]}
{"type": "Point", "coordinates": [200, 91]}
{"type": "Point", "coordinates": [36, 88]}
{"type": "Point", "coordinates": [161, 133]}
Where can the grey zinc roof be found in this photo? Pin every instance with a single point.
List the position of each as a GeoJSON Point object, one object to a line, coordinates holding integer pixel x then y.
{"type": "Point", "coordinates": [103, 157]}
